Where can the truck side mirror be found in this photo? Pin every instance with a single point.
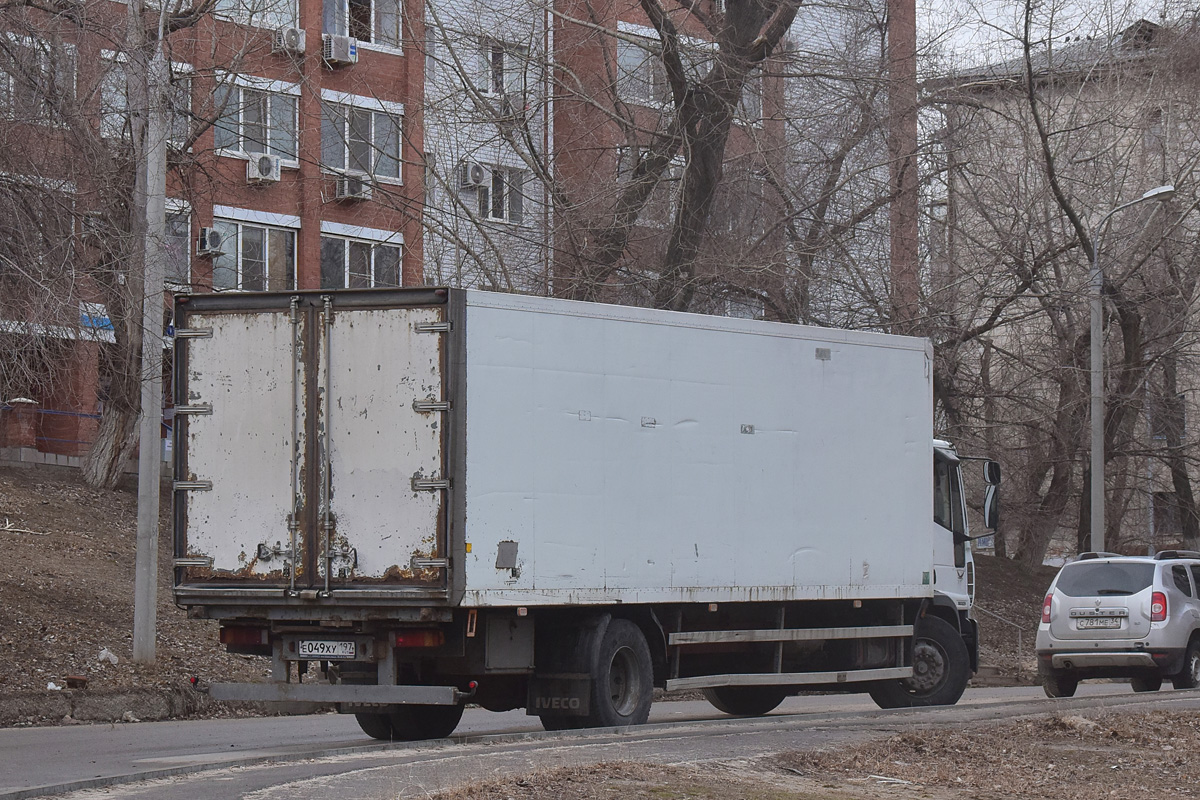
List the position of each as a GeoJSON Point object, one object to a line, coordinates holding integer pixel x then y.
{"type": "Point", "coordinates": [991, 505]}
{"type": "Point", "coordinates": [991, 472]}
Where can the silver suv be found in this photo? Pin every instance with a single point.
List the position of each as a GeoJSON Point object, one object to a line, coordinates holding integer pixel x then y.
{"type": "Point", "coordinates": [1112, 616]}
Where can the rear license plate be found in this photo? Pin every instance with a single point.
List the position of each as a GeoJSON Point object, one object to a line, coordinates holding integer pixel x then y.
{"type": "Point", "coordinates": [315, 649]}
{"type": "Point", "coordinates": [1097, 622]}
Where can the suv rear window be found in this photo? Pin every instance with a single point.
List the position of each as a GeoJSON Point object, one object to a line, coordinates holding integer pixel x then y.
{"type": "Point", "coordinates": [1098, 579]}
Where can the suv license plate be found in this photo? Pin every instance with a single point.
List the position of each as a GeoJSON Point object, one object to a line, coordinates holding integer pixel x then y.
{"type": "Point", "coordinates": [1097, 622]}
{"type": "Point", "coordinates": [314, 649]}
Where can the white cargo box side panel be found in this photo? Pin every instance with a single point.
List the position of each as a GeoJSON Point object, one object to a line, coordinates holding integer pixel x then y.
{"type": "Point", "coordinates": [244, 370]}
{"type": "Point", "coordinates": [637, 455]}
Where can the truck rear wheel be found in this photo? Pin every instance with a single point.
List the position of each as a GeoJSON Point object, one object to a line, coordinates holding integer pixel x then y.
{"type": "Point", "coordinates": [413, 723]}
{"type": "Point", "coordinates": [745, 701]}
{"type": "Point", "coordinates": [377, 726]}
{"type": "Point", "coordinates": [941, 669]}
{"type": "Point", "coordinates": [622, 678]}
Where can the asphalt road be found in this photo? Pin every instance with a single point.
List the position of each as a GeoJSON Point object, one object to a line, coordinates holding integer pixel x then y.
{"type": "Point", "coordinates": [326, 755]}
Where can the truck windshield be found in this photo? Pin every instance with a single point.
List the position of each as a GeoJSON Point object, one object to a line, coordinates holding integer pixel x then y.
{"type": "Point", "coordinates": [1092, 579]}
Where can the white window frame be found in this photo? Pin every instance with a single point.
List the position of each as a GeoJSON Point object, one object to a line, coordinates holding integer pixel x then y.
{"type": "Point", "coordinates": [267, 14]}
{"type": "Point", "coordinates": [341, 24]}
{"type": "Point", "coordinates": [238, 83]}
{"type": "Point", "coordinates": [242, 219]}
{"type": "Point", "coordinates": [747, 114]}
{"type": "Point", "coordinates": [370, 237]}
{"type": "Point", "coordinates": [503, 79]}
{"type": "Point", "coordinates": [111, 60]}
{"type": "Point", "coordinates": [180, 208]}
{"type": "Point", "coordinates": [513, 203]}
{"type": "Point", "coordinates": [46, 116]}
{"type": "Point", "coordinates": [670, 183]}
{"type": "Point", "coordinates": [695, 54]}
{"type": "Point", "coordinates": [347, 103]}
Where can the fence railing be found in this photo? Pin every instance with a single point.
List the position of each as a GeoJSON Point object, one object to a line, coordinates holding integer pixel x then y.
{"type": "Point", "coordinates": [1020, 629]}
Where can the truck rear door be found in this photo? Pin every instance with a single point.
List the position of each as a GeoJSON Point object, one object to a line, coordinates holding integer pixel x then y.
{"type": "Point", "coordinates": [310, 442]}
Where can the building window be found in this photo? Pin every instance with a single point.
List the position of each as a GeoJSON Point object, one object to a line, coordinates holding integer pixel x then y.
{"type": "Point", "coordinates": [254, 258]}
{"type": "Point", "coordinates": [360, 140]}
{"type": "Point", "coordinates": [177, 249]}
{"type": "Point", "coordinates": [114, 104]}
{"type": "Point", "coordinates": [501, 68]}
{"type": "Point", "coordinates": [1168, 417]}
{"type": "Point", "coordinates": [259, 13]}
{"type": "Point", "coordinates": [37, 79]}
{"type": "Point", "coordinates": [254, 121]}
{"type": "Point", "coordinates": [501, 196]}
{"type": "Point", "coordinates": [660, 207]}
{"type": "Point", "coordinates": [750, 106]}
{"type": "Point", "coordinates": [640, 74]}
{"type": "Point", "coordinates": [355, 264]}
{"type": "Point", "coordinates": [374, 21]}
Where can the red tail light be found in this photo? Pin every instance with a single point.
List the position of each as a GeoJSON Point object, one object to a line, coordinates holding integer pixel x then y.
{"type": "Point", "coordinates": [1158, 607]}
{"type": "Point", "coordinates": [420, 639]}
{"type": "Point", "coordinates": [244, 636]}
{"type": "Point", "coordinates": [1046, 608]}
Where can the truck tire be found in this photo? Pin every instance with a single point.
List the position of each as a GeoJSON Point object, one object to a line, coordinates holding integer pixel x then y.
{"type": "Point", "coordinates": [941, 669]}
{"type": "Point", "coordinates": [414, 723]}
{"type": "Point", "coordinates": [1189, 676]}
{"type": "Point", "coordinates": [745, 701]}
{"type": "Point", "coordinates": [377, 726]}
{"type": "Point", "coordinates": [622, 678]}
{"type": "Point", "coordinates": [1059, 685]}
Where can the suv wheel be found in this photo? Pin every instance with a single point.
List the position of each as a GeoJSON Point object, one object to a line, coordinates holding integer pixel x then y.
{"type": "Point", "coordinates": [1189, 676]}
{"type": "Point", "coordinates": [1059, 685]}
{"type": "Point", "coordinates": [1151, 684]}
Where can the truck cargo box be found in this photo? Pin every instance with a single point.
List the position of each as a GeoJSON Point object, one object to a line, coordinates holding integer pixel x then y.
{"type": "Point", "coordinates": [433, 447]}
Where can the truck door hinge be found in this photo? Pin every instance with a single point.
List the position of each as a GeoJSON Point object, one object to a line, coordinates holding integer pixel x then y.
{"type": "Point", "coordinates": [193, 486]}
{"type": "Point", "coordinates": [433, 327]}
{"type": "Point", "coordinates": [193, 333]}
{"type": "Point", "coordinates": [429, 563]}
{"type": "Point", "coordinates": [200, 409]}
{"type": "Point", "coordinates": [429, 484]}
{"type": "Point", "coordinates": [430, 405]}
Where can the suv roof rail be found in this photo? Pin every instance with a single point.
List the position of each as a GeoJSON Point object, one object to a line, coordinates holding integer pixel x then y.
{"type": "Point", "coordinates": [1164, 555]}
{"type": "Point", "coordinates": [1096, 554]}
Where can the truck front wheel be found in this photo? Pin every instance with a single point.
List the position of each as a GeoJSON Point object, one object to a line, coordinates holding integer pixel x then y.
{"type": "Point", "coordinates": [941, 669]}
{"type": "Point", "coordinates": [745, 701]}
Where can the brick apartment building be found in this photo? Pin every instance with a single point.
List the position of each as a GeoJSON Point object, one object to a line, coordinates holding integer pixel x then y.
{"type": "Point", "coordinates": [339, 143]}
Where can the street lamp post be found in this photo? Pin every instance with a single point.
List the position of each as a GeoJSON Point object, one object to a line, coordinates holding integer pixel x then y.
{"type": "Point", "coordinates": [1097, 366]}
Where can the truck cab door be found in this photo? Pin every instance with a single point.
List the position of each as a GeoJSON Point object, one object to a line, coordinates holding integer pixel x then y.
{"type": "Point", "coordinates": [951, 546]}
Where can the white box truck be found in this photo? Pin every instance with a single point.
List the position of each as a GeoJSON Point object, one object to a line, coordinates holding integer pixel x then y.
{"type": "Point", "coordinates": [412, 499]}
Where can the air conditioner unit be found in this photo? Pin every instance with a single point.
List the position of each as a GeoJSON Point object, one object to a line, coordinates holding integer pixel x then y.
{"type": "Point", "coordinates": [339, 50]}
{"type": "Point", "coordinates": [472, 175]}
{"type": "Point", "coordinates": [351, 187]}
{"type": "Point", "coordinates": [289, 40]}
{"type": "Point", "coordinates": [208, 243]}
{"type": "Point", "coordinates": [264, 168]}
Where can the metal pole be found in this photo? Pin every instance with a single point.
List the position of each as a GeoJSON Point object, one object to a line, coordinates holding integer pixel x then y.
{"type": "Point", "coordinates": [1096, 282]}
{"type": "Point", "coordinates": [1097, 409]}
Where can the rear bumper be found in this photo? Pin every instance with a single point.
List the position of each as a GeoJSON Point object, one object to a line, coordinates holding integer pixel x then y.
{"type": "Point", "coordinates": [1112, 663]}
{"type": "Point", "coordinates": [350, 694]}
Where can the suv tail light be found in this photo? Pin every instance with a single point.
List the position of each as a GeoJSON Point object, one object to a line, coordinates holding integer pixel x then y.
{"type": "Point", "coordinates": [1158, 607]}
{"type": "Point", "coordinates": [1046, 608]}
